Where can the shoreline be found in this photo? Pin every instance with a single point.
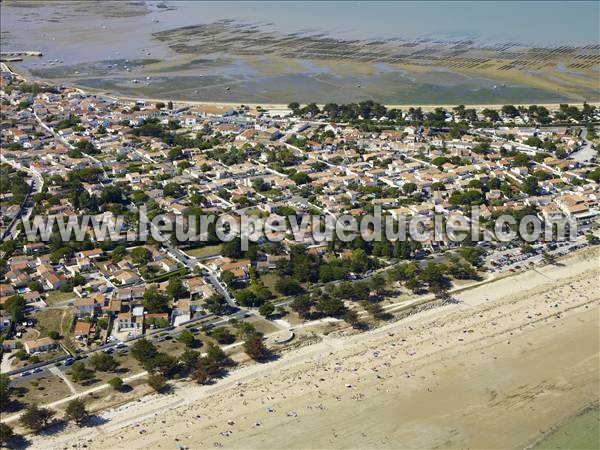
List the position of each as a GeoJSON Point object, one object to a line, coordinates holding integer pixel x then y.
{"type": "Point", "coordinates": [148, 419]}
{"type": "Point", "coordinates": [271, 105]}
{"type": "Point", "coordinates": [591, 408]}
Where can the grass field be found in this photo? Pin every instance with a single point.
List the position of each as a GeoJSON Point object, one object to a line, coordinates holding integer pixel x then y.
{"type": "Point", "coordinates": [270, 279]}
{"type": "Point", "coordinates": [264, 326]}
{"type": "Point", "coordinates": [54, 320]}
{"type": "Point", "coordinates": [42, 390]}
{"type": "Point", "coordinates": [205, 252]}
{"type": "Point", "coordinates": [57, 296]}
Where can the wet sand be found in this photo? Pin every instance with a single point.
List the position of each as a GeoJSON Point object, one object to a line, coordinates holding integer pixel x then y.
{"type": "Point", "coordinates": [497, 370]}
{"type": "Point", "coordinates": [151, 97]}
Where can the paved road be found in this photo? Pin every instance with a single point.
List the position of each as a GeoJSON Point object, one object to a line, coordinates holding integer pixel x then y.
{"type": "Point", "coordinates": [586, 152]}
{"type": "Point", "coordinates": [37, 184]}
{"type": "Point", "coordinates": [154, 336]}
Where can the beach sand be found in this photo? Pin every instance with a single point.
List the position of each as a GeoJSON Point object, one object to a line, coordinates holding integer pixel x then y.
{"type": "Point", "coordinates": [497, 370]}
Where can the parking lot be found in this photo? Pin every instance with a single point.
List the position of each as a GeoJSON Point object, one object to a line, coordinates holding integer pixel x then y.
{"type": "Point", "coordinates": [513, 258]}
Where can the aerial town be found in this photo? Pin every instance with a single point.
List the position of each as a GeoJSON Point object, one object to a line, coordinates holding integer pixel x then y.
{"type": "Point", "coordinates": [90, 316]}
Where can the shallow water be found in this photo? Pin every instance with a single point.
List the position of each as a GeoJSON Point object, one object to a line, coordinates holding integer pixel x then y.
{"type": "Point", "coordinates": [581, 432]}
{"type": "Point", "coordinates": [80, 40]}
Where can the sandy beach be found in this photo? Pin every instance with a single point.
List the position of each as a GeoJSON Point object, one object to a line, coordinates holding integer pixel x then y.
{"type": "Point", "coordinates": [498, 369]}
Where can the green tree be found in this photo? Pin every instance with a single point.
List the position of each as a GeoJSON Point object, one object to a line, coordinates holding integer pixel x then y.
{"type": "Point", "coordinates": [76, 411]}
{"type": "Point", "coordinates": [140, 255]}
{"type": "Point", "coordinates": [409, 188]}
{"type": "Point", "coordinates": [216, 303]}
{"type": "Point", "coordinates": [594, 175]}
{"type": "Point", "coordinates": [6, 434]}
{"type": "Point", "coordinates": [266, 309]}
{"type": "Point", "coordinates": [351, 317]}
{"type": "Point", "coordinates": [254, 347]}
{"type": "Point", "coordinates": [530, 186]}
{"type": "Point", "coordinates": [510, 111]}
{"type": "Point", "coordinates": [173, 190]}
{"type": "Point", "coordinates": [300, 178]}
{"type": "Point", "coordinates": [15, 308]}
{"type": "Point", "coordinates": [189, 358]}
{"type": "Point", "coordinates": [548, 258]}
{"type": "Point", "coordinates": [201, 375]}
{"type": "Point", "coordinates": [157, 381]}
{"type": "Point", "coordinates": [155, 302]}
{"type": "Point", "coordinates": [245, 329]}
{"type": "Point", "coordinates": [143, 350]}
{"type": "Point", "coordinates": [175, 153]}
{"type": "Point", "coordinates": [491, 114]}
{"type": "Point", "coordinates": [288, 286]}
{"type": "Point", "coordinates": [176, 289]}
{"type": "Point", "coordinates": [227, 277]}
{"type": "Point", "coordinates": [162, 363]}
{"type": "Point", "coordinates": [54, 335]}
{"type": "Point", "coordinates": [377, 284]}
{"type": "Point", "coordinates": [205, 369]}
{"type": "Point", "coordinates": [35, 418]}
{"type": "Point", "coordinates": [4, 391]}
{"type": "Point", "coordinates": [216, 353]}
{"type": "Point", "coordinates": [35, 285]}
{"type": "Point", "coordinates": [116, 383]}
{"type": "Point", "coordinates": [81, 373]}
{"type": "Point", "coordinates": [103, 362]}
{"type": "Point", "coordinates": [374, 309]}
{"type": "Point", "coordinates": [302, 305]}
{"type": "Point", "coordinates": [187, 337]}
{"type": "Point", "coordinates": [330, 306]}
{"type": "Point", "coordinates": [222, 335]}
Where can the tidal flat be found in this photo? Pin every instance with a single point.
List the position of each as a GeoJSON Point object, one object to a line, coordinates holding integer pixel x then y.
{"type": "Point", "coordinates": [232, 60]}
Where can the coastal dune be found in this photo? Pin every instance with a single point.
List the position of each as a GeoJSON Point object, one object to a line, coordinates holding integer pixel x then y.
{"type": "Point", "coordinates": [499, 369]}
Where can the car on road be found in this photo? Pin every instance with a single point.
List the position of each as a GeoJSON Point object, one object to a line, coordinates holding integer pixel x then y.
{"type": "Point", "coordinates": [25, 374]}
{"type": "Point", "coordinates": [37, 370]}
{"type": "Point", "coordinates": [69, 361]}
